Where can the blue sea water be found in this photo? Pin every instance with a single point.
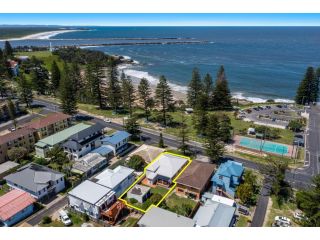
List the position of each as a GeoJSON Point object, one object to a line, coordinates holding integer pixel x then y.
{"type": "Point", "coordinates": [260, 62]}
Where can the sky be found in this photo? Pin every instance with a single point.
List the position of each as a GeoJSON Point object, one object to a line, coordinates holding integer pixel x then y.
{"type": "Point", "coordinates": [179, 19]}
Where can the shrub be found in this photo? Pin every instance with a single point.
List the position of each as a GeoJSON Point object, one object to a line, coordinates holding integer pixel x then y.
{"type": "Point", "coordinates": [133, 200]}
{"type": "Point", "coordinates": [136, 162]}
{"type": "Point", "coordinates": [46, 220]}
{"type": "Point", "coordinates": [85, 217]}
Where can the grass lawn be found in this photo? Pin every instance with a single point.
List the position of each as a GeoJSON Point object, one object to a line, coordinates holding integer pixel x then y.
{"type": "Point", "coordinates": [176, 204]}
{"type": "Point", "coordinates": [243, 221]}
{"type": "Point", "coordinates": [76, 219]}
{"type": "Point", "coordinates": [4, 189]}
{"type": "Point", "coordinates": [285, 210]}
{"type": "Point", "coordinates": [160, 190]}
{"type": "Point", "coordinates": [45, 56]}
{"type": "Point", "coordinates": [129, 222]}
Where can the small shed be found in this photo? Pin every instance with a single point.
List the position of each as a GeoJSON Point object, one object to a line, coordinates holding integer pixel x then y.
{"type": "Point", "coordinates": [139, 192]}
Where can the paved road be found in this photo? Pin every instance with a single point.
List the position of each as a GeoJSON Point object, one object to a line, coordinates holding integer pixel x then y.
{"type": "Point", "coordinates": [36, 219]}
{"type": "Point", "coordinates": [313, 142]}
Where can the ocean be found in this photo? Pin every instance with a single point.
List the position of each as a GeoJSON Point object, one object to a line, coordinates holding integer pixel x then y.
{"type": "Point", "coordinates": [261, 62]}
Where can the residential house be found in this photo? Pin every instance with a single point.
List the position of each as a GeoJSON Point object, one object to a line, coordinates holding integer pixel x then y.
{"type": "Point", "coordinates": [215, 214]}
{"type": "Point", "coordinates": [104, 151]}
{"type": "Point", "coordinates": [227, 178]}
{"type": "Point", "coordinates": [39, 181]}
{"type": "Point", "coordinates": [118, 179]}
{"type": "Point", "coordinates": [15, 206]}
{"type": "Point", "coordinates": [89, 164]}
{"type": "Point", "coordinates": [23, 137]}
{"type": "Point", "coordinates": [118, 141]}
{"type": "Point", "coordinates": [164, 169]}
{"type": "Point", "coordinates": [84, 141]}
{"type": "Point", "coordinates": [158, 217]}
{"type": "Point", "coordinates": [91, 198]}
{"type": "Point", "coordinates": [195, 179]}
{"type": "Point", "coordinates": [57, 139]}
{"type": "Point", "coordinates": [50, 124]}
{"type": "Point", "coordinates": [139, 192]}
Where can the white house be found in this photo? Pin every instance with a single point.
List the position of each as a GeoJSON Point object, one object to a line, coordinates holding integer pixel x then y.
{"type": "Point", "coordinates": [37, 180]}
{"type": "Point", "coordinates": [165, 168]}
{"type": "Point", "coordinates": [91, 198]}
{"type": "Point", "coordinates": [118, 179]}
{"type": "Point", "coordinates": [89, 164]}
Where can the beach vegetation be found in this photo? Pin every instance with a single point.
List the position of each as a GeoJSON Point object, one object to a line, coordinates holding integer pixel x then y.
{"type": "Point", "coordinates": [195, 88]}
{"type": "Point", "coordinates": [128, 93]}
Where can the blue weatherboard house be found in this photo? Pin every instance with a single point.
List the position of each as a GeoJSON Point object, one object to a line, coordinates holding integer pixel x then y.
{"type": "Point", "coordinates": [227, 178]}
{"type": "Point", "coordinates": [118, 141]}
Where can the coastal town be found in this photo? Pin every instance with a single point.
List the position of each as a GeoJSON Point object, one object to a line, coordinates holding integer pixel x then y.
{"type": "Point", "coordinates": [82, 144]}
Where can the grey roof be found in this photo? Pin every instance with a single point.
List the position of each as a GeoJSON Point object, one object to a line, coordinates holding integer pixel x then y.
{"type": "Point", "coordinates": [167, 165]}
{"type": "Point", "coordinates": [158, 217]}
{"type": "Point", "coordinates": [90, 192]}
{"type": "Point", "coordinates": [214, 214]}
{"type": "Point", "coordinates": [111, 178]}
{"type": "Point", "coordinates": [34, 177]}
{"type": "Point", "coordinates": [139, 190]}
{"type": "Point", "coordinates": [88, 131]}
{"type": "Point", "coordinates": [87, 162]}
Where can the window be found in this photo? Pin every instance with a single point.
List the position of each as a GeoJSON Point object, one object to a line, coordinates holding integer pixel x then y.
{"type": "Point", "coordinates": [220, 177]}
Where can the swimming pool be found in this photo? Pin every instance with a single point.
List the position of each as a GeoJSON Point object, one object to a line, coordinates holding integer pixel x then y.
{"type": "Point", "coordinates": [265, 146]}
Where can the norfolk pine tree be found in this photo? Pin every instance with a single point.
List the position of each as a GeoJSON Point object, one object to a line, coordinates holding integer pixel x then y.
{"type": "Point", "coordinates": [221, 99]}
{"type": "Point", "coordinates": [144, 92]}
{"type": "Point", "coordinates": [195, 88]}
{"type": "Point", "coordinates": [25, 90]}
{"type": "Point", "coordinates": [164, 97]}
{"type": "Point", "coordinates": [55, 77]}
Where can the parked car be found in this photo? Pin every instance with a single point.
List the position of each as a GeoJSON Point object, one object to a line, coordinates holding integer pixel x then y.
{"type": "Point", "coordinates": [243, 210]}
{"type": "Point", "coordinates": [12, 129]}
{"type": "Point", "coordinates": [299, 216]}
{"type": "Point", "coordinates": [282, 220]}
{"type": "Point", "coordinates": [64, 218]}
{"type": "Point", "coordinates": [107, 120]}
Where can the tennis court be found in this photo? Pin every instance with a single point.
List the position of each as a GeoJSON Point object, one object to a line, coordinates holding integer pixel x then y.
{"type": "Point", "coordinates": [264, 146]}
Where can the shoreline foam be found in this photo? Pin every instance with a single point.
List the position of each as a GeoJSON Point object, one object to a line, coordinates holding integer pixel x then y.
{"type": "Point", "coordinates": [41, 35]}
{"type": "Point", "coordinates": [180, 90]}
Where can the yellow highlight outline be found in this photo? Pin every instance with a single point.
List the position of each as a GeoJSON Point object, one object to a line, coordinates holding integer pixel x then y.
{"type": "Point", "coordinates": [144, 174]}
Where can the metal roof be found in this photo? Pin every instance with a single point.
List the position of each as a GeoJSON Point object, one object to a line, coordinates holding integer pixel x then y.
{"type": "Point", "coordinates": [158, 217]}
{"type": "Point", "coordinates": [112, 178]}
{"type": "Point", "coordinates": [167, 165]}
{"type": "Point", "coordinates": [90, 192]}
{"type": "Point", "coordinates": [63, 135]}
{"type": "Point", "coordinates": [34, 177]}
{"type": "Point", "coordinates": [214, 214]}
{"type": "Point", "coordinates": [103, 150]}
{"type": "Point", "coordinates": [117, 137]}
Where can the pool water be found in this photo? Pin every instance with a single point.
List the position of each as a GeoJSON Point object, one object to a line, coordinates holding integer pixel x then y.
{"type": "Point", "coordinates": [265, 146]}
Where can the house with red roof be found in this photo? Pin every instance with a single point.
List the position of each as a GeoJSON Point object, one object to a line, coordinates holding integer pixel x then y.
{"type": "Point", "coordinates": [15, 206]}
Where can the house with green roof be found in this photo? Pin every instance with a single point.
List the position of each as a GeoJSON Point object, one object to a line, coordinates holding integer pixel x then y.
{"type": "Point", "coordinates": [45, 144]}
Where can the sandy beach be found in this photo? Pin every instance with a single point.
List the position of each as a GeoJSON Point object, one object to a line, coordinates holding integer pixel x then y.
{"type": "Point", "coordinates": [42, 35]}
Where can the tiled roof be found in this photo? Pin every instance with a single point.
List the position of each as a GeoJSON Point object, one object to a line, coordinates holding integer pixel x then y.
{"type": "Point", "coordinates": [197, 175]}
{"type": "Point", "coordinates": [13, 202]}
{"type": "Point", "coordinates": [48, 120]}
{"type": "Point", "coordinates": [16, 134]}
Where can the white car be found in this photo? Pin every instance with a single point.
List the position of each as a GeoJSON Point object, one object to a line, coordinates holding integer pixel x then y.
{"type": "Point", "coordinates": [107, 120]}
{"type": "Point", "coordinates": [65, 218]}
{"type": "Point", "coordinates": [299, 216]}
{"type": "Point", "coordinates": [282, 219]}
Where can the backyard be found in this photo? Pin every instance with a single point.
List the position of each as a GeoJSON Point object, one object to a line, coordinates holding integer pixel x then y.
{"type": "Point", "coordinates": [77, 221]}
{"type": "Point", "coordinates": [179, 205]}
{"type": "Point", "coordinates": [129, 222]}
{"type": "Point", "coordinates": [4, 189]}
